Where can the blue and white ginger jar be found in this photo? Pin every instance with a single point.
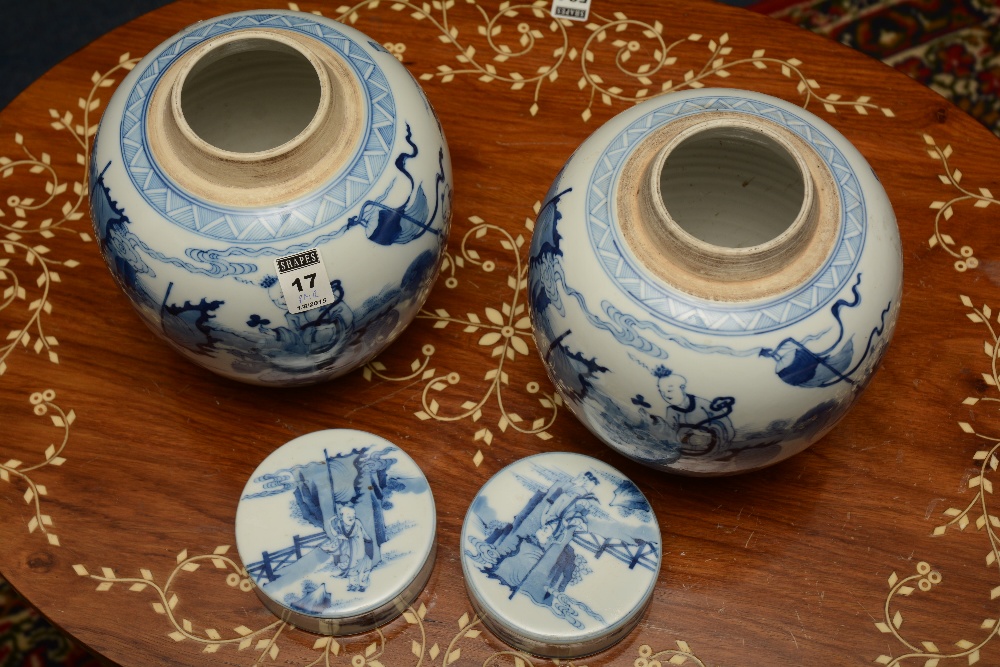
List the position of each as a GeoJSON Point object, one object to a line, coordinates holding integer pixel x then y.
{"type": "Point", "coordinates": [269, 135]}
{"type": "Point", "coordinates": [714, 277]}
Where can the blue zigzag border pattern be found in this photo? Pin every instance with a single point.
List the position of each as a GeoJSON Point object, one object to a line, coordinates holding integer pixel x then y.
{"type": "Point", "coordinates": [706, 316]}
{"type": "Point", "coordinates": [308, 214]}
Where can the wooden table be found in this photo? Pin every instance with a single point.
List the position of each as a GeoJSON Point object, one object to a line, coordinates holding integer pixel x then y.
{"type": "Point", "coordinates": [124, 463]}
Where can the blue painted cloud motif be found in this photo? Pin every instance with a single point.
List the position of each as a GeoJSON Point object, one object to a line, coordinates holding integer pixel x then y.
{"type": "Point", "coordinates": [123, 250]}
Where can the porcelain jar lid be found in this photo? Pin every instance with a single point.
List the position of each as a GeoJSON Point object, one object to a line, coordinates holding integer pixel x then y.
{"type": "Point", "coordinates": [560, 553]}
{"type": "Point", "coordinates": [337, 530]}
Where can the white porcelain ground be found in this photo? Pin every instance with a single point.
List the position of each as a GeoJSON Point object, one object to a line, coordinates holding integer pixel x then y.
{"type": "Point", "coordinates": [714, 278]}
{"type": "Point", "coordinates": [337, 531]}
{"type": "Point", "coordinates": [560, 554]}
{"type": "Point", "coordinates": [244, 146]}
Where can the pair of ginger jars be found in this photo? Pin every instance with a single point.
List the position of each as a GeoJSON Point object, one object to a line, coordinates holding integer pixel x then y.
{"type": "Point", "coordinates": [714, 275]}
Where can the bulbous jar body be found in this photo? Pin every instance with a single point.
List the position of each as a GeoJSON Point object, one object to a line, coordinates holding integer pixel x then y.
{"type": "Point", "coordinates": [263, 136]}
{"type": "Point", "coordinates": [714, 277]}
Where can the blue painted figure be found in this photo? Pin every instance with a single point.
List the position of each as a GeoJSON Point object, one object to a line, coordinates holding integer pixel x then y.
{"type": "Point", "coordinates": [545, 562]}
{"type": "Point", "coordinates": [387, 225]}
{"type": "Point", "coordinates": [801, 366]}
{"type": "Point", "coordinates": [543, 552]}
{"type": "Point", "coordinates": [575, 371]}
{"type": "Point", "coordinates": [308, 340]}
{"type": "Point", "coordinates": [114, 237]}
{"type": "Point", "coordinates": [353, 546]}
{"type": "Point", "coordinates": [547, 275]}
{"type": "Point", "coordinates": [346, 498]}
{"type": "Point", "coordinates": [559, 545]}
{"type": "Point", "coordinates": [551, 509]}
{"type": "Point", "coordinates": [337, 524]}
{"type": "Point", "coordinates": [693, 425]}
{"type": "Point", "coordinates": [319, 330]}
{"type": "Point", "coordinates": [685, 426]}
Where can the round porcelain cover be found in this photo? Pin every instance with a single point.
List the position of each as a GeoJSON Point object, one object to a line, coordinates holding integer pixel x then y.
{"type": "Point", "coordinates": [560, 553]}
{"type": "Point", "coordinates": [336, 528]}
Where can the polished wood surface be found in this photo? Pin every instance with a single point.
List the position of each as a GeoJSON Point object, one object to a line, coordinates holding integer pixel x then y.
{"type": "Point", "coordinates": [121, 464]}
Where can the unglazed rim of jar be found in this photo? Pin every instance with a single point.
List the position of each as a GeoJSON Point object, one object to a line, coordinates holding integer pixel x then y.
{"type": "Point", "coordinates": [277, 174]}
{"type": "Point", "coordinates": [681, 260]}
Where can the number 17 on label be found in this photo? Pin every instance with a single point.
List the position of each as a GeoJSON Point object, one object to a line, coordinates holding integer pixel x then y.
{"type": "Point", "coordinates": [304, 281]}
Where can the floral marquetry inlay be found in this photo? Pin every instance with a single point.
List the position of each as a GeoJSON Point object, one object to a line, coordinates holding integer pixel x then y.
{"type": "Point", "coordinates": [15, 470]}
{"type": "Point", "coordinates": [978, 513]}
{"type": "Point", "coordinates": [980, 197]}
{"type": "Point", "coordinates": [503, 329]}
{"type": "Point", "coordinates": [30, 218]}
{"type": "Point", "coordinates": [458, 383]}
{"type": "Point", "coordinates": [29, 273]}
{"type": "Point", "coordinates": [610, 58]}
{"type": "Point", "coordinates": [265, 644]}
{"type": "Point", "coordinates": [25, 263]}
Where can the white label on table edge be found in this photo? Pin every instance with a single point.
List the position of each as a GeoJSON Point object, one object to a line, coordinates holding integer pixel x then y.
{"type": "Point", "coordinates": [574, 10]}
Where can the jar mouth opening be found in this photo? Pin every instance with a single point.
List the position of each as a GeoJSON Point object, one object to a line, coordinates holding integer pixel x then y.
{"type": "Point", "coordinates": [731, 189]}
{"type": "Point", "coordinates": [250, 95]}
{"type": "Point", "coordinates": [727, 206]}
{"type": "Point", "coordinates": [256, 117]}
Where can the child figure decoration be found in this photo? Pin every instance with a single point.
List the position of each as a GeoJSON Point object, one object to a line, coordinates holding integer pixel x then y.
{"type": "Point", "coordinates": [323, 536]}
{"type": "Point", "coordinates": [692, 424]}
{"type": "Point", "coordinates": [734, 247]}
{"type": "Point", "coordinates": [251, 138]}
{"type": "Point", "coordinates": [350, 542]}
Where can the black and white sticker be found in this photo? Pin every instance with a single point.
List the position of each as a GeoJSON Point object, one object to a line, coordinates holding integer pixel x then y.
{"type": "Point", "coordinates": [574, 10]}
{"type": "Point", "coordinates": [304, 281]}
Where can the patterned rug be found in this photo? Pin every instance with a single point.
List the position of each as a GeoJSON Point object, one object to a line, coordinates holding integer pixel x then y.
{"type": "Point", "coordinates": [26, 640]}
{"type": "Point", "coordinates": [952, 46]}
